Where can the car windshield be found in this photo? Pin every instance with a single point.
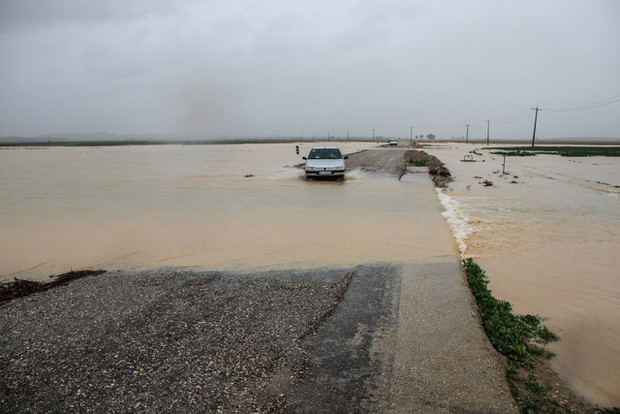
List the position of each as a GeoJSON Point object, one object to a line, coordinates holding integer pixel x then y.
{"type": "Point", "coordinates": [325, 153]}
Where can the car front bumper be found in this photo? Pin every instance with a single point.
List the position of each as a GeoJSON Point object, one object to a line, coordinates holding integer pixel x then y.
{"type": "Point", "coordinates": [325, 173]}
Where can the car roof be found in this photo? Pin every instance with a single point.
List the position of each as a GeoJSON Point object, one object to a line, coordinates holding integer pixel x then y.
{"type": "Point", "coordinates": [325, 148]}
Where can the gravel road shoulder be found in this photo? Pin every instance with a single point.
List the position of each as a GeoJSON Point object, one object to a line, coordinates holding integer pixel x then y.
{"type": "Point", "coordinates": [277, 341]}
{"type": "Point", "coordinates": [161, 341]}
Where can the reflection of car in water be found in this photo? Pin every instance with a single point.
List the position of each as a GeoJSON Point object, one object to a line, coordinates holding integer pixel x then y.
{"type": "Point", "coordinates": [325, 162]}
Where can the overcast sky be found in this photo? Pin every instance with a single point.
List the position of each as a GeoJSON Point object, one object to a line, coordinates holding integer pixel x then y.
{"type": "Point", "coordinates": [299, 67]}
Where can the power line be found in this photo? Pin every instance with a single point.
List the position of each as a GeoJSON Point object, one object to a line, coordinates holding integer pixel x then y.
{"type": "Point", "coordinates": [593, 105]}
{"type": "Point", "coordinates": [523, 115]}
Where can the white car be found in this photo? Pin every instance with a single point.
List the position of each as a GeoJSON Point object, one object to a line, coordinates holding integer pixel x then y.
{"type": "Point", "coordinates": [325, 162]}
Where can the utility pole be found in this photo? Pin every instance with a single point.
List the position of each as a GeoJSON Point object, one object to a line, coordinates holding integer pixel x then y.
{"type": "Point", "coordinates": [467, 134]}
{"type": "Point", "coordinates": [535, 120]}
{"type": "Point", "coordinates": [373, 135]}
{"type": "Point", "coordinates": [411, 134]}
{"type": "Point", "coordinates": [347, 134]}
{"type": "Point", "coordinates": [488, 121]}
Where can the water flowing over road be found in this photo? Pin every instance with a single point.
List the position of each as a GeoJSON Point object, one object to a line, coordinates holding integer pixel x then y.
{"type": "Point", "coordinates": [389, 327]}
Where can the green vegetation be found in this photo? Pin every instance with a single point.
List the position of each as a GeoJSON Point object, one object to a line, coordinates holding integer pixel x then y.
{"type": "Point", "coordinates": [517, 153]}
{"type": "Point", "coordinates": [564, 151]}
{"type": "Point", "coordinates": [519, 339]}
{"type": "Point", "coordinates": [515, 336]}
{"type": "Point", "coordinates": [535, 397]}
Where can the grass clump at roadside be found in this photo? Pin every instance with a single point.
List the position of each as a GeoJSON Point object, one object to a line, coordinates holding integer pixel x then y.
{"type": "Point", "coordinates": [520, 338]}
{"type": "Point", "coordinates": [535, 387]}
{"type": "Point", "coordinates": [564, 151]}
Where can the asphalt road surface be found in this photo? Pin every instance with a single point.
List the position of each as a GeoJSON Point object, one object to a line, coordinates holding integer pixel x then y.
{"type": "Point", "coordinates": [388, 160]}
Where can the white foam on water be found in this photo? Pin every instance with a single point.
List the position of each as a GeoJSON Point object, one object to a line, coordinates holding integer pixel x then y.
{"type": "Point", "coordinates": [456, 218]}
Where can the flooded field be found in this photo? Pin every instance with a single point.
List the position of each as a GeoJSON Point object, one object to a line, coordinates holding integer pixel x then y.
{"type": "Point", "coordinates": [206, 206]}
{"type": "Point", "coordinates": [547, 233]}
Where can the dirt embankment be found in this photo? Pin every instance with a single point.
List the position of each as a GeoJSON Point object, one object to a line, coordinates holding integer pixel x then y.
{"type": "Point", "coordinates": [438, 172]}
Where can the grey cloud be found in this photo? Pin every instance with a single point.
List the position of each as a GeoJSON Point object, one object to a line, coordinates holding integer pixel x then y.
{"type": "Point", "coordinates": [32, 13]}
{"type": "Point", "coordinates": [284, 67]}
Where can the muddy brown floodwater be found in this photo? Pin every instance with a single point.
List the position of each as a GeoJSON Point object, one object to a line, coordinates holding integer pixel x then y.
{"type": "Point", "coordinates": [230, 207]}
{"type": "Point", "coordinates": [547, 233]}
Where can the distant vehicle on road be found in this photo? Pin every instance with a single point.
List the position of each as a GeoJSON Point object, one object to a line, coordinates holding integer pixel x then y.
{"type": "Point", "coordinates": [325, 162]}
{"type": "Point", "coordinates": [393, 142]}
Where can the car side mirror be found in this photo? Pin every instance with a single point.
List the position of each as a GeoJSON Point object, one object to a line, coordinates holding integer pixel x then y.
{"type": "Point", "coordinates": [304, 158]}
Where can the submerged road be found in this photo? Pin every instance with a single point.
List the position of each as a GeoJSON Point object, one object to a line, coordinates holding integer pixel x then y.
{"type": "Point", "coordinates": [372, 338]}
